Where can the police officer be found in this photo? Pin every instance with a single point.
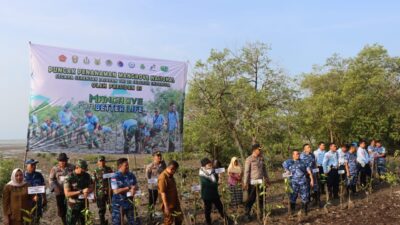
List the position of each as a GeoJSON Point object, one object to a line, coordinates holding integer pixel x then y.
{"type": "Point", "coordinates": [77, 187]}
{"type": "Point", "coordinates": [331, 165]}
{"type": "Point", "coordinates": [92, 123]}
{"type": "Point", "coordinates": [129, 128]}
{"type": "Point", "coordinates": [102, 191]}
{"type": "Point", "coordinates": [56, 180]}
{"type": "Point", "coordinates": [380, 158]}
{"type": "Point", "coordinates": [309, 159]}
{"type": "Point", "coordinates": [299, 182]}
{"type": "Point", "coordinates": [153, 170]}
{"type": "Point", "coordinates": [124, 186]}
{"type": "Point", "coordinates": [319, 157]}
{"type": "Point", "coordinates": [34, 179]}
{"type": "Point", "coordinates": [351, 169]}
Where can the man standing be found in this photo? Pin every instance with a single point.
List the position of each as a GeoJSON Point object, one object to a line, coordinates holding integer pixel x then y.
{"type": "Point", "coordinates": [153, 171]}
{"type": "Point", "coordinates": [92, 123]}
{"type": "Point", "coordinates": [156, 131]}
{"type": "Point", "coordinates": [309, 159]}
{"type": "Point", "coordinates": [380, 158]}
{"type": "Point", "coordinates": [102, 190]}
{"type": "Point", "coordinates": [65, 116]}
{"type": "Point", "coordinates": [129, 128]}
{"type": "Point", "coordinates": [331, 165]}
{"type": "Point", "coordinates": [299, 182]}
{"type": "Point", "coordinates": [169, 195]}
{"type": "Point", "coordinates": [351, 170]}
{"type": "Point", "coordinates": [363, 163]}
{"type": "Point", "coordinates": [124, 186]}
{"type": "Point", "coordinates": [77, 187]}
{"type": "Point", "coordinates": [319, 156]}
{"type": "Point", "coordinates": [173, 126]}
{"type": "Point", "coordinates": [34, 178]}
{"type": "Point", "coordinates": [56, 181]}
{"type": "Point", "coordinates": [342, 151]}
{"type": "Point", "coordinates": [254, 170]}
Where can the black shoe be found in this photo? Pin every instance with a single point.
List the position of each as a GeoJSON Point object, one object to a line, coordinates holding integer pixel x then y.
{"type": "Point", "coordinates": [247, 217]}
{"type": "Point", "coordinates": [305, 208]}
{"type": "Point", "coordinates": [292, 208]}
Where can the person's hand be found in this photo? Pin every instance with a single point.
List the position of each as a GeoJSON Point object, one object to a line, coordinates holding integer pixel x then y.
{"type": "Point", "coordinates": [312, 183]}
{"type": "Point", "coordinates": [35, 198]}
{"type": "Point", "coordinates": [166, 211]}
{"type": "Point", "coordinates": [133, 190]}
{"type": "Point", "coordinates": [245, 187]}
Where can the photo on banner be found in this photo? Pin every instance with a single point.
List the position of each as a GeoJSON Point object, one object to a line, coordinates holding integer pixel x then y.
{"type": "Point", "coordinates": [92, 102]}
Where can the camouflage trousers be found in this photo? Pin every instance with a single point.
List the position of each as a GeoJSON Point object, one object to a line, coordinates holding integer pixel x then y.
{"type": "Point", "coordinates": [91, 138]}
{"type": "Point", "coordinates": [302, 188]}
{"type": "Point", "coordinates": [74, 213]}
{"type": "Point", "coordinates": [118, 213]}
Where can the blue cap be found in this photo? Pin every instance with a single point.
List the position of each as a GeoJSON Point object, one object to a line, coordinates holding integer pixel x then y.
{"type": "Point", "coordinates": [31, 161]}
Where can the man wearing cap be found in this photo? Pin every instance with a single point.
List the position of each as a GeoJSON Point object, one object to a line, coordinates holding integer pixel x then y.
{"type": "Point", "coordinates": [153, 170]}
{"type": "Point", "coordinates": [34, 179]}
{"type": "Point", "coordinates": [124, 186]}
{"type": "Point", "coordinates": [92, 123]}
{"type": "Point", "coordinates": [129, 128]}
{"type": "Point", "coordinates": [102, 190]}
{"type": "Point", "coordinates": [77, 187]}
{"type": "Point", "coordinates": [254, 170]}
{"type": "Point", "coordinates": [56, 181]}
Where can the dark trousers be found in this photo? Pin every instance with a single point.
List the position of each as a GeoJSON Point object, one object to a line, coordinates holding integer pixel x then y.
{"type": "Point", "coordinates": [153, 195]}
{"type": "Point", "coordinates": [62, 208]}
{"type": "Point", "coordinates": [364, 173]}
{"type": "Point", "coordinates": [333, 183]}
{"type": "Point", "coordinates": [321, 185]}
{"type": "Point", "coordinates": [208, 207]}
{"type": "Point", "coordinates": [102, 205]}
{"type": "Point", "coordinates": [342, 176]}
{"type": "Point", "coordinates": [253, 198]}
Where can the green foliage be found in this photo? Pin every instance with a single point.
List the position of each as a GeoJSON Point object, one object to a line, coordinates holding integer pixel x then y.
{"type": "Point", "coordinates": [6, 168]}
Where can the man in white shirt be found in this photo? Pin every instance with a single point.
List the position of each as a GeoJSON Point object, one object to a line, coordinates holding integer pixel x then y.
{"type": "Point", "coordinates": [363, 161]}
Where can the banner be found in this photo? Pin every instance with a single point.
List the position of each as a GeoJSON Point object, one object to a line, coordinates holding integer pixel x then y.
{"type": "Point", "coordinates": [91, 102]}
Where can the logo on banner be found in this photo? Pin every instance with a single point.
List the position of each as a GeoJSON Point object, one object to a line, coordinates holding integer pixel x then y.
{"type": "Point", "coordinates": [108, 62]}
{"type": "Point", "coordinates": [120, 64]}
{"type": "Point", "coordinates": [75, 59]}
{"type": "Point", "coordinates": [142, 66]}
{"type": "Point", "coordinates": [153, 67]}
{"type": "Point", "coordinates": [62, 58]}
{"type": "Point", "coordinates": [131, 65]}
{"type": "Point", "coordinates": [164, 68]}
{"type": "Point", "coordinates": [97, 61]}
{"type": "Point", "coordinates": [86, 60]}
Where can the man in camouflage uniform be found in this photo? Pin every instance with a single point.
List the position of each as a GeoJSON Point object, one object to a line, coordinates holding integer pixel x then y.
{"type": "Point", "coordinates": [309, 159]}
{"type": "Point", "coordinates": [351, 166]}
{"type": "Point", "coordinates": [77, 187]}
{"type": "Point", "coordinates": [299, 183]}
{"type": "Point", "coordinates": [124, 186]}
{"type": "Point", "coordinates": [380, 158]}
{"type": "Point", "coordinates": [102, 192]}
{"type": "Point", "coordinates": [56, 181]}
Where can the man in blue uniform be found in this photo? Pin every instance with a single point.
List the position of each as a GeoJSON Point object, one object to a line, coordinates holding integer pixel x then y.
{"type": "Point", "coordinates": [351, 169]}
{"type": "Point", "coordinates": [299, 182]}
{"type": "Point", "coordinates": [65, 116]}
{"type": "Point", "coordinates": [331, 166]}
{"type": "Point", "coordinates": [380, 158]}
{"type": "Point", "coordinates": [129, 128]}
{"type": "Point", "coordinates": [124, 186]}
{"type": "Point", "coordinates": [309, 159]}
{"type": "Point", "coordinates": [34, 179]}
{"type": "Point", "coordinates": [319, 157]}
{"type": "Point", "coordinates": [92, 123]}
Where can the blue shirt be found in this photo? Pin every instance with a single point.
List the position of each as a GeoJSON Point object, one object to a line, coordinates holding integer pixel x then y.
{"type": "Point", "coordinates": [34, 179]}
{"type": "Point", "coordinates": [297, 168]}
{"type": "Point", "coordinates": [380, 150]}
{"type": "Point", "coordinates": [120, 180]}
{"type": "Point", "coordinates": [44, 127]}
{"type": "Point", "coordinates": [351, 160]}
{"type": "Point", "coordinates": [172, 120]}
{"type": "Point", "coordinates": [319, 156]}
{"type": "Point", "coordinates": [106, 129]}
{"type": "Point", "coordinates": [65, 117]}
{"type": "Point", "coordinates": [330, 159]}
{"type": "Point", "coordinates": [158, 121]}
{"type": "Point", "coordinates": [34, 119]}
{"type": "Point", "coordinates": [309, 159]}
{"type": "Point", "coordinates": [129, 123]}
{"type": "Point", "coordinates": [91, 122]}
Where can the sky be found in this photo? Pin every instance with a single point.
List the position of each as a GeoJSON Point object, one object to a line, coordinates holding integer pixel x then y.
{"type": "Point", "coordinates": [301, 34]}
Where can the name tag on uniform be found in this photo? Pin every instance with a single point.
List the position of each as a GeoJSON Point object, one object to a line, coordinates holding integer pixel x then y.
{"type": "Point", "coordinates": [196, 188]}
{"type": "Point", "coordinates": [90, 196]}
{"type": "Point", "coordinates": [152, 181]}
{"type": "Point", "coordinates": [108, 175]}
{"type": "Point", "coordinates": [36, 190]}
{"type": "Point", "coordinates": [219, 170]}
{"type": "Point", "coordinates": [341, 171]}
{"type": "Point", "coordinates": [286, 175]}
{"type": "Point", "coordinates": [316, 170]}
{"type": "Point", "coordinates": [129, 194]}
{"type": "Point", "coordinates": [114, 184]}
{"type": "Point", "coordinates": [138, 193]}
{"type": "Point", "coordinates": [258, 181]}
{"type": "Point", "coordinates": [62, 178]}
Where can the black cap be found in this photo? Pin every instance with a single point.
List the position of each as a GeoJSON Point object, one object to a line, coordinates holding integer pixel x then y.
{"type": "Point", "coordinates": [101, 158]}
{"type": "Point", "coordinates": [205, 161]}
{"type": "Point", "coordinates": [31, 161]}
{"type": "Point", "coordinates": [255, 146]}
{"type": "Point", "coordinates": [62, 157]}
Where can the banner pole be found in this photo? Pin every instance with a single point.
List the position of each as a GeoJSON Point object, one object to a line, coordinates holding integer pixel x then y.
{"type": "Point", "coordinates": [27, 147]}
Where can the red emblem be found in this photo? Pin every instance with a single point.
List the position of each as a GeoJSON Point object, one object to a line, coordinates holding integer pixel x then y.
{"type": "Point", "coordinates": [62, 58]}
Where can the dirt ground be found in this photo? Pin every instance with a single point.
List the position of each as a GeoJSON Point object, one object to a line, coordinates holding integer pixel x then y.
{"type": "Point", "coordinates": [380, 207]}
